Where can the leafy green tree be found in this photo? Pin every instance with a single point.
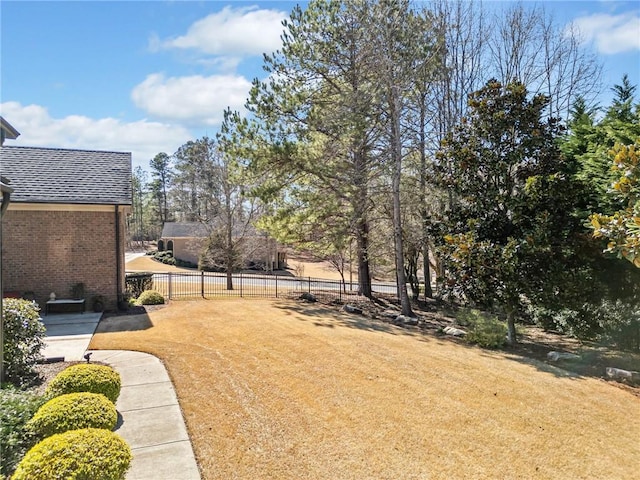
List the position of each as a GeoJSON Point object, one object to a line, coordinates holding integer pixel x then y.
{"type": "Point", "coordinates": [622, 229]}
{"type": "Point", "coordinates": [622, 108]}
{"type": "Point", "coordinates": [507, 227]}
{"type": "Point", "coordinates": [590, 141]}
{"type": "Point", "coordinates": [597, 288]}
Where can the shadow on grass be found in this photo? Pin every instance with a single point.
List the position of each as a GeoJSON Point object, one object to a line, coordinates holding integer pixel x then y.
{"type": "Point", "coordinates": [530, 351]}
{"type": "Point", "coordinates": [328, 317]}
{"type": "Point", "coordinates": [124, 323]}
{"type": "Point", "coordinates": [592, 362]}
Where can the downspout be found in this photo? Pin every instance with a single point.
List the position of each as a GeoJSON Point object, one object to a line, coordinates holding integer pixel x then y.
{"type": "Point", "coordinates": [118, 255]}
{"type": "Point", "coordinates": [6, 197]}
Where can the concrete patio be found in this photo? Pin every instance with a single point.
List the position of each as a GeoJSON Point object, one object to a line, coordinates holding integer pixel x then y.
{"type": "Point", "coordinates": [69, 334]}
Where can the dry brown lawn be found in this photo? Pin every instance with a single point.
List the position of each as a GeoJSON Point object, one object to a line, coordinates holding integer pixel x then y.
{"type": "Point", "coordinates": [148, 264]}
{"type": "Point", "coordinates": [278, 390]}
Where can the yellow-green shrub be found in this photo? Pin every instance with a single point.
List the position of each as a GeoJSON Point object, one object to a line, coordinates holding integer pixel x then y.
{"type": "Point", "coordinates": [73, 411]}
{"type": "Point", "coordinates": [483, 328]}
{"type": "Point", "coordinates": [87, 377]}
{"type": "Point", "coordinates": [87, 454]}
{"type": "Point", "coordinates": [150, 297]}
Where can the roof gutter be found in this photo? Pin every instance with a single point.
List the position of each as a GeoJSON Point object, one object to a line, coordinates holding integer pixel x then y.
{"type": "Point", "coordinates": [119, 253]}
{"type": "Point", "coordinates": [6, 194]}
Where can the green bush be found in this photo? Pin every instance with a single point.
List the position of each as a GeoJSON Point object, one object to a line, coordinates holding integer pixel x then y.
{"type": "Point", "coordinates": [16, 408]}
{"type": "Point", "coordinates": [165, 257]}
{"type": "Point", "coordinates": [23, 339]}
{"type": "Point", "coordinates": [483, 329]}
{"type": "Point", "coordinates": [150, 297]}
{"type": "Point", "coordinates": [87, 454]}
{"type": "Point", "coordinates": [87, 377]}
{"type": "Point", "coordinates": [138, 282]}
{"type": "Point", "coordinates": [73, 411]}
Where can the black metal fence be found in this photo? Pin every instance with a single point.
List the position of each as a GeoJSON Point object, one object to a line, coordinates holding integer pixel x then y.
{"type": "Point", "coordinates": [173, 285]}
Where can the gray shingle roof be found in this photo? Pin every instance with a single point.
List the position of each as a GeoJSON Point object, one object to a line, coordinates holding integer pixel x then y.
{"type": "Point", "coordinates": [184, 230]}
{"type": "Point", "coordinates": [55, 175]}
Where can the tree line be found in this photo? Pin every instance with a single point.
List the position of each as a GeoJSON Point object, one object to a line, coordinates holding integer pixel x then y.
{"type": "Point", "coordinates": [441, 139]}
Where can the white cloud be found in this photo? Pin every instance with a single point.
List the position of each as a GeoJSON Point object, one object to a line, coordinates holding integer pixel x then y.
{"type": "Point", "coordinates": [611, 33]}
{"type": "Point", "coordinates": [143, 139]}
{"type": "Point", "coordinates": [231, 32]}
{"type": "Point", "coordinates": [195, 100]}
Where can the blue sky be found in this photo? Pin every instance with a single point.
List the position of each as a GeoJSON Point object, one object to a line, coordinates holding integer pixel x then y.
{"type": "Point", "coordinates": [147, 76]}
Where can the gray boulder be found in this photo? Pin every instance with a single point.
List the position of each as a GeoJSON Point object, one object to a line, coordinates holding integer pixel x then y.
{"type": "Point", "coordinates": [309, 297]}
{"type": "Point", "coordinates": [628, 376]}
{"type": "Point", "coordinates": [558, 356]}
{"type": "Point", "coordinates": [351, 309]}
{"type": "Point", "coordinates": [456, 332]}
{"type": "Point", "coordinates": [404, 320]}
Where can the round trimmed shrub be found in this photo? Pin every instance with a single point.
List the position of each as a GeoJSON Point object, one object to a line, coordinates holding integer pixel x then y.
{"type": "Point", "coordinates": [87, 377]}
{"type": "Point", "coordinates": [150, 297]}
{"type": "Point", "coordinates": [86, 454]}
{"type": "Point", "coordinates": [73, 411]}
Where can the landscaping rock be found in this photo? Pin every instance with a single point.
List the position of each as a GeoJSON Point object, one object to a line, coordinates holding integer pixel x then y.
{"type": "Point", "coordinates": [558, 356]}
{"type": "Point", "coordinates": [404, 320]}
{"type": "Point", "coordinates": [623, 375]}
{"type": "Point", "coordinates": [309, 297]}
{"type": "Point", "coordinates": [456, 332]}
{"type": "Point", "coordinates": [352, 309]}
{"type": "Point", "coordinates": [392, 314]}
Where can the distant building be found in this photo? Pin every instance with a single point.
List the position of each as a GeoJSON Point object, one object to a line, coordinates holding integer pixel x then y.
{"type": "Point", "coordinates": [187, 240]}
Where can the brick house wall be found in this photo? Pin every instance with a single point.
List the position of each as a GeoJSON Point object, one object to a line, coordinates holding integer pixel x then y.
{"type": "Point", "coordinates": [51, 249]}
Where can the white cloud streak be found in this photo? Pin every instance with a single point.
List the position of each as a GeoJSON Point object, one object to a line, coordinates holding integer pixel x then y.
{"type": "Point", "coordinates": [611, 34]}
{"type": "Point", "coordinates": [144, 139]}
{"type": "Point", "coordinates": [194, 100]}
{"type": "Point", "coordinates": [243, 31]}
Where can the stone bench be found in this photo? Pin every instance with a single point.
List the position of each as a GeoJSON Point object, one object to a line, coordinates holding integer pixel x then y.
{"type": "Point", "coordinates": [64, 301]}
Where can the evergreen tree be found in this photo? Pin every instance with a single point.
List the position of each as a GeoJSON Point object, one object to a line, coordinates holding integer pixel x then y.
{"type": "Point", "coordinates": [507, 229]}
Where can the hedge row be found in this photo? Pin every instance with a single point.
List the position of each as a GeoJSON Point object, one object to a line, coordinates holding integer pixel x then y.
{"type": "Point", "coordinates": [74, 429]}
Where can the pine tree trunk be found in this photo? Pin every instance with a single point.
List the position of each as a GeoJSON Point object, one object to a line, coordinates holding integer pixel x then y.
{"type": "Point", "coordinates": [359, 205]}
{"type": "Point", "coordinates": [364, 274]}
{"type": "Point", "coordinates": [428, 292]}
{"type": "Point", "coordinates": [396, 149]}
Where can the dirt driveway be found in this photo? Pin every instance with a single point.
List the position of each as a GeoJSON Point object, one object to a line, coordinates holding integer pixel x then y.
{"type": "Point", "coordinates": [276, 390]}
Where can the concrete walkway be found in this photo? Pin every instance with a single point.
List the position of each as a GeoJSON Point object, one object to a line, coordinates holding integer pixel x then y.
{"type": "Point", "coordinates": [150, 419]}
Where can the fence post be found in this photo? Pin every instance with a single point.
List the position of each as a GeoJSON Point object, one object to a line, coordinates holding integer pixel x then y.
{"type": "Point", "coordinates": [169, 281]}
{"type": "Point", "coordinates": [309, 284]}
{"type": "Point", "coordinates": [240, 284]}
{"type": "Point", "coordinates": [276, 286]}
{"type": "Point", "coordinates": [202, 283]}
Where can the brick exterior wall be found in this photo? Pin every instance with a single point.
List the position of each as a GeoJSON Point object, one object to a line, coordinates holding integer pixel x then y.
{"type": "Point", "coordinates": [49, 251]}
